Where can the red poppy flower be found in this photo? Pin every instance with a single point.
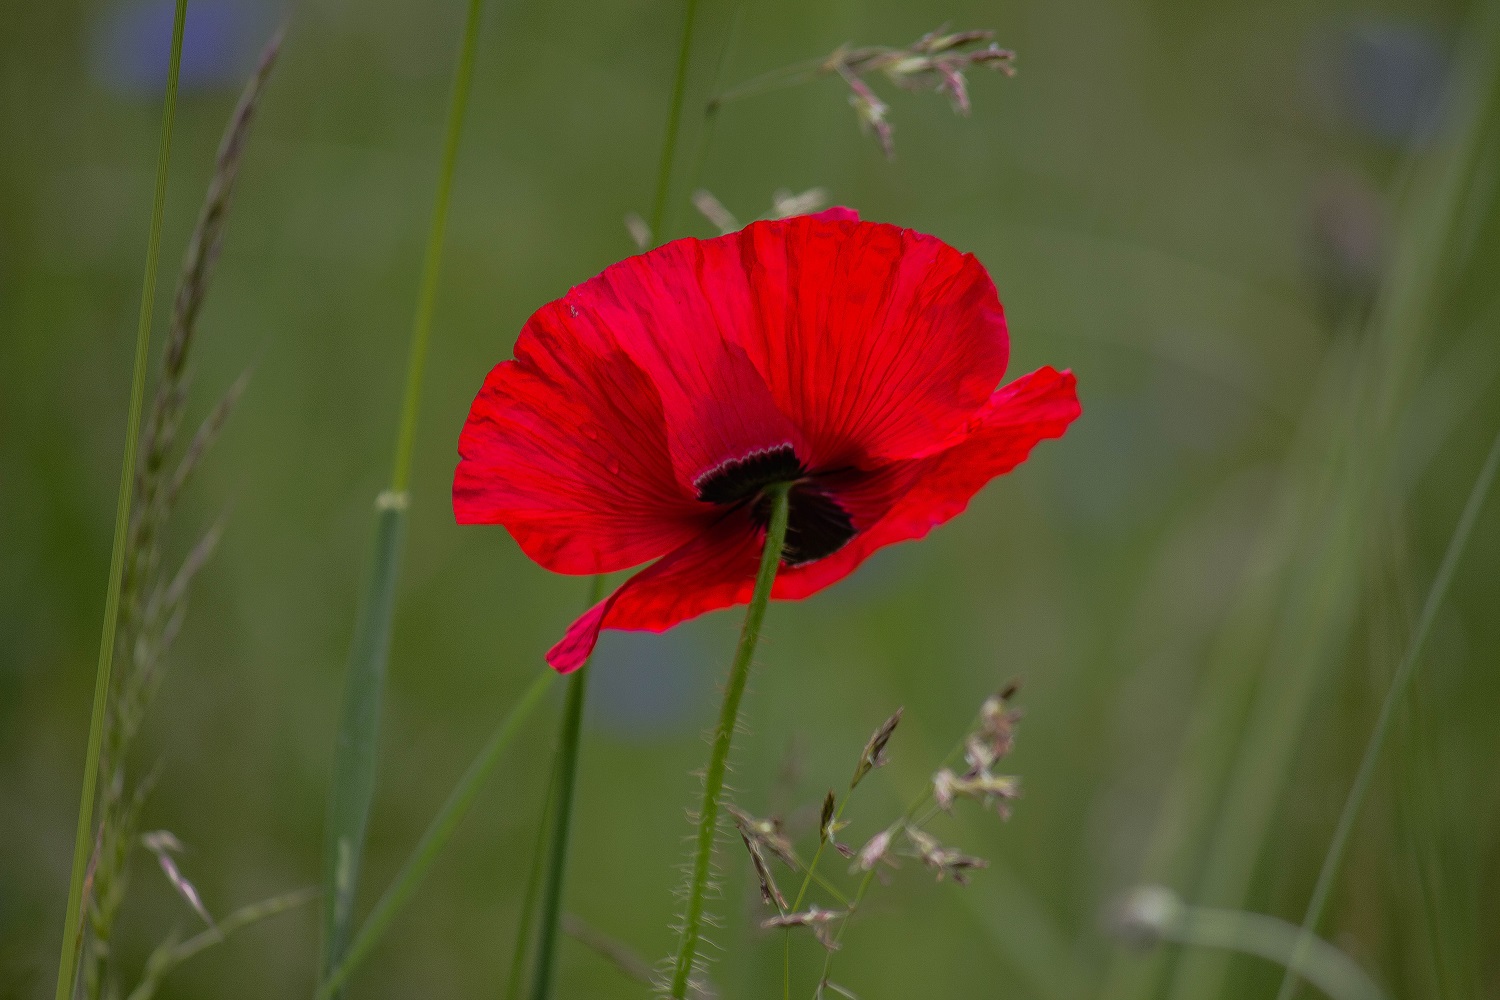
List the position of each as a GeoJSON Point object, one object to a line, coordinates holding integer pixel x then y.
{"type": "Point", "coordinates": [647, 409]}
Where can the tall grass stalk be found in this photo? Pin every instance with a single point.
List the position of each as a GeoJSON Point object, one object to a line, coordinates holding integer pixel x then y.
{"type": "Point", "coordinates": [711, 109]}
{"type": "Point", "coordinates": [561, 814]}
{"type": "Point", "coordinates": [83, 836]}
{"type": "Point", "coordinates": [357, 746]}
{"type": "Point", "coordinates": [561, 821]}
{"type": "Point", "coordinates": [729, 713]}
{"type": "Point", "coordinates": [1338, 500]}
{"type": "Point", "coordinates": [526, 922]}
{"type": "Point", "coordinates": [153, 596]}
{"type": "Point", "coordinates": [674, 122]}
{"type": "Point", "coordinates": [1400, 683]}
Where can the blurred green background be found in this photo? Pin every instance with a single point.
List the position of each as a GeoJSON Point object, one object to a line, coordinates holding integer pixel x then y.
{"type": "Point", "coordinates": [1191, 205]}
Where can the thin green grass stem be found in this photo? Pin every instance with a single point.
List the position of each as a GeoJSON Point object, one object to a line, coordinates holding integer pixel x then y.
{"type": "Point", "coordinates": [432, 259]}
{"type": "Point", "coordinates": [864, 883]}
{"type": "Point", "coordinates": [173, 953]}
{"type": "Point", "coordinates": [713, 778]}
{"type": "Point", "coordinates": [1400, 683]}
{"type": "Point", "coordinates": [807, 880]}
{"type": "Point", "coordinates": [526, 924]}
{"type": "Point", "coordinates": [357, 746]}
{"type": "Point", "coordinates": [435, 838]}
{"type": "Point", "coordinates": [83, 837]}
{"type": "Point", "coordinates": [1310, 599]}
{"type": "Point", "coordinates": [777, 79]}
{"type": "Point", "coordinates": [711, 110]}
{"type": "Point", "coordinates": [569, 738]}
{"type": "Point", "coordinates": [674, 123]}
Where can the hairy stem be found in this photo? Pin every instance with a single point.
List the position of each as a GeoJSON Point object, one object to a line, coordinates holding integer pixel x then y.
{"type": "Point", "coordinates": [83, 838]}
{"type": "Point", "coordinates": [713, 778]}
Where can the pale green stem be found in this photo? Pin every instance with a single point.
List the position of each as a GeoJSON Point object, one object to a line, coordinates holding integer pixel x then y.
{"type": "Point", "coordinates": [357, 748]}
{"type": "Point", "coordinates": [167, 958]}
{"type": "Point", "coordinates": [434, 839]}
{"type": "Point", "coordinates": [562, 819]}
{"type": "Point", "coordinates": [776, 79]}
{"type": "Point", "coordinates": [807, 879]}
{"type": "Point", "coordinates": [1400, 683]}
{"type": "Point", "coordinates": [83, 838]}
{"type": "Point", "coordinates": [1160, 915]}
{"type": "Point", "coordinates": [674, 121]}
{"type": "Point", "coordinates": [713, 778]}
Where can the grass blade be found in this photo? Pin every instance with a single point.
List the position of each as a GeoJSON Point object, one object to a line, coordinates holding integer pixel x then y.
{"type": "Point", "coordinates": [173, 953]}
{"type": "Point", "coordinates": [359, 724]}
{"type": "Point", "coordinates": [432, 257]}
{"type": "Point", "coordinates": [357, 743]}
{"type": "Point", "coordinates": [434, 839]}
{"type": "Point", "coordinates": [562, 821]}
{"type": "Point", "coordinates": [1153, 914]}
{"type": "Point", "coordinates": [1324, 579]}
{"type": "Point", "coordinates": [83, 839]}
{"type": "Point", "coordinates": [1299, 602]}
{"type": "Point", "coordinates": [527, 920]}
{"type": "Point", "coordinates": [1400, 682]}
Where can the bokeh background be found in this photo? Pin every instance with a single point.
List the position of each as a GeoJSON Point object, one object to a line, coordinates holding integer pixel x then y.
{"type": "Point", "coordinates": [1205, 210]}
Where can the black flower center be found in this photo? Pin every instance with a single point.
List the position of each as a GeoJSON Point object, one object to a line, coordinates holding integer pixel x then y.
{"type": "Point", "coordinates": [742, 478]}
{"type": "Point", "coordinates": [817, 524]}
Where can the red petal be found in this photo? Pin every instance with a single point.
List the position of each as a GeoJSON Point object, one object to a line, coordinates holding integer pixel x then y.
{"type": "Point", "coordinates": [937, 488]}
{"type": "Point", "coordinates": [661, 309]}
{"type": "Point", "coordinates": [902, 501]}
{"type": "Point", "coordinates": [878, 342]}
{"type": "Point", "coordinates": [838, 213]}
{"type": "Point", "coordinates": [714, 570]}
{"type": "Point", "coordinates": [566, 446]}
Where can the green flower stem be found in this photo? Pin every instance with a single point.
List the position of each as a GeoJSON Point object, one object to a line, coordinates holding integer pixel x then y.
{"type": "Point", "coordinates": [1400, 683]}
{"type": "Point", "coordinates": [83, 838]}
{"type": "Point", "coordinates": [562, 820]}
{"type": "Point", "coordinates": [674, 122]}
{"type": "Point", "coordinates": [713, 778]}
{"type": "Point", "coordinates": [436, 837]}
{"type": "Point", "coordinates": [357, 745]}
